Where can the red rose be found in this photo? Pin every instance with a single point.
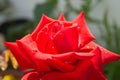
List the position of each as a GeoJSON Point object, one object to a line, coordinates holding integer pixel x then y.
{"type": "Point", "coordinates": [61, 50]}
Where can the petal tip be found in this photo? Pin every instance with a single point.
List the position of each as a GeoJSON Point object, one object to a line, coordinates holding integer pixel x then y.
{"type": "Point", "coordinates": [62, 18]}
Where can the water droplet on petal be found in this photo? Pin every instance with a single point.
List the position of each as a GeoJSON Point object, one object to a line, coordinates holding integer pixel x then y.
{"type": "Point", "coordinates": [88, 47]}
{"type": "Point", "coordinates": [67, 62]}
{"type": "Point", "coordinates": [34, 51]}
{"type": "Point", "coordinates": [75, 24]}
{"type": "Point", "coordinates": [53, 47]}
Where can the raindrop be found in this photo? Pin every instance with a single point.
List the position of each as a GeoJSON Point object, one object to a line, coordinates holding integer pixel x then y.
{"type": "Point", "coordinates": [75, 24]}
{"type": "Point", "coordinates": [53, 47]}
{"type": "Point", "coordinates": [88, 47]}
{"type": "Point", "coordinates": [34, 51]}
{"type": "Point", "coordinates": [67, 62]}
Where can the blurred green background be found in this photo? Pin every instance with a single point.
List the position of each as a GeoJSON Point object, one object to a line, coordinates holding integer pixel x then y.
{"type": "Point", "coordinates": [104, 27]}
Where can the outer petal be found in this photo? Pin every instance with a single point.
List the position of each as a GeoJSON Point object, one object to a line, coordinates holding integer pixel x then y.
{"type": "Point", "coordinates": [44, 20]}
{"type": "Point", "coordinates": [30, 49]}
{"type": "Point", "coordinates": [97, 62]}
{"type": "Point", "coordinates": [29, 41]}
{"type": "Point", "coordinates": [44, 42]}
{"type": "Point", "coordinates": [107, 56]}
{"type": "Point", "coordinates": [97, 59]}
{"type": "Point", "coordinates": [72, 56]}
{"type": "Point", "coordinates": [85, 35]}
{"type": "Point", "coordinates": [39, 64]}
{"type": "Point", "coordinates": [84, 71]}
{"type": "Point", "coordinates": [62, 18]}
{"type": "Point", "coordinates": [79, 73]}
{"type": "Point", "coordinates": [22, 59]}
{"type": "Point", "coordinates": [32, 76]}
{"type": "Point", "coordinates": [60, 66]}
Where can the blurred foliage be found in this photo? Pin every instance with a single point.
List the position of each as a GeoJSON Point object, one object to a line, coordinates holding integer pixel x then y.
{"type": "Point", "coordinates": [18, 31]}
{"type": "Point", "coordinates": [45, 8]}
{"type": "Point", "coordinates": [4, 4]}
{"type": "Point", "coordinates": [112, 40]}
{"type": "Point", "coordinates": [15, 30]}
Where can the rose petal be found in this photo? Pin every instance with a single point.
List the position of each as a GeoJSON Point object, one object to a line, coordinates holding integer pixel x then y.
{"type": "Point", "coordinates": [62, 18]}
{"type": "Point", "coordinates": [84, 56]}
{"type": "Point", "coordinates": [68, 58]}
{"type": "Point", "coordinates": [32, 76]}
{"type": "Point", "coordinates": [107, 56]}
{"type": "Point", "coordinates": [64, 56]}
{"type": "Point", "coordinates": [84, 71]}
{"type": "Point", "coordinates": [54, 28]}
{"type": "Point", "coordinates": [67, 23]}
{"type": "Point", "coordinates": [97, 61]}
{"type": "Point", "coordinates": [85, 35]}
{"type": "Point", "coordinates": [21, 58]}
{"type": "Point", "coordinates": [56, 76]}
{"type": "Point", "coordinates": [66, 40]}
{"type": "Point", "coordinates": [40, 65]}
{"type": "Point", "coordinates": [42, 41]}
{"type": "Point", "coordinates": [45, 44]}
{"type": "Point", "coordinates": [29, 41]}
{"type": "Point", "coordinates": [44, 20]}
{"type": "Point", "coordinates": [59, 65]}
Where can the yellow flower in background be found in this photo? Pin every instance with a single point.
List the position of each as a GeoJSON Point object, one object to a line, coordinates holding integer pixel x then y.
{"type": "Point", "coordinates": [9, 77]}
{"type": "Point", "coordinates": [9, 56]}
{"type": "Point", "coordinates": [5, 58]}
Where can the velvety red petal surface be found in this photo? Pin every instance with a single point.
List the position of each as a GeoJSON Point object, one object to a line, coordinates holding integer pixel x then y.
{"type": "Point", "coordinates": [39, 65]}
{"type": "Point", "coordinates": [107, 56]}
{"type": "Point", "coordinates": [44, 39]}
{"type": "Point", "coordinates": [32, 76]}
{"type": "Point", "coordinates": [44, 20]}
{"type": "Point", "coordinates": [66, 40]}
{"type": "Point", "coordinates": [22, 59]}
{"type": "Point", "coordinates": [85, 35]}
{"type": "Point", "coordinates": [59, 65]}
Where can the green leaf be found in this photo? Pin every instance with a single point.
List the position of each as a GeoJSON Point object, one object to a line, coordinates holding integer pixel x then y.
{"type": "Point", "coordinates": [108, 36]}
{"type": "Point", "coordinates": [113, 71]}
{"type": "Point", "coordinates": [45, 8]}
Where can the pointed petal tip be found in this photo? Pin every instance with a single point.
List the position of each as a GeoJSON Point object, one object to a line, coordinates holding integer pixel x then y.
{"type": "Point", "coordinates": [79, 16]}
{"type": "Point", "coordinates": [62, 17]}
{"type": "Point", "coordinates": [82, 13]}
{"type": "Point", "coordinates": [43, 15]}
{"type": "Point", "coordinates": [8, 43]}
{"type": "Point", "coordinates": [5, 43]}
{"type": "Point", "coordinates": [46, 17]}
